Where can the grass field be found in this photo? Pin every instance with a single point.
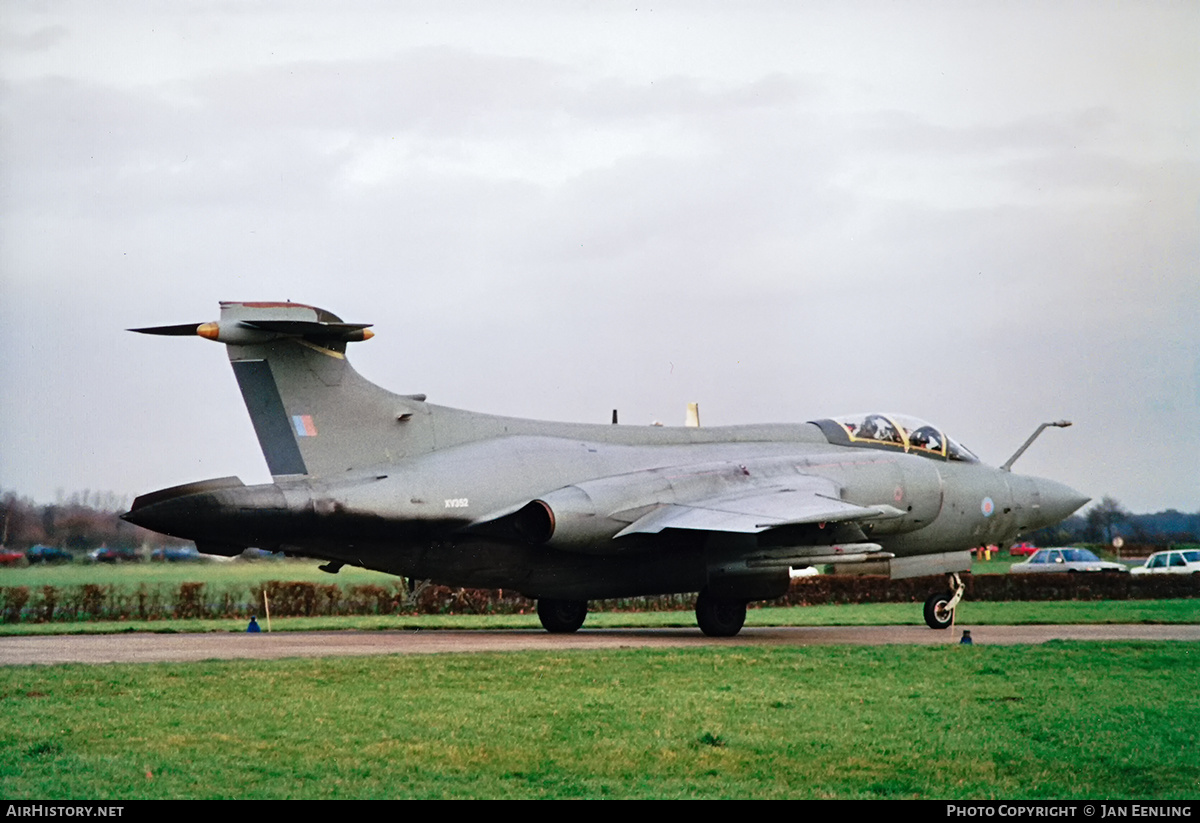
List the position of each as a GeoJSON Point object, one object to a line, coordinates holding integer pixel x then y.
{"type": "Point", "coordinates": [240, 573]}
{"type": "Point", "coordinates": [1063, 720]}
{"type": "Point", "coordinates": [230, 573]}
{"type": "Point", "coordinates": [1053, 721]}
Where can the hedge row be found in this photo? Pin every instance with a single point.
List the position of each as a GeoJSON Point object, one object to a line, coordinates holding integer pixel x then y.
{"type": "Point", "coordinates": [812, 591]}
{"type": "Point", "coordinates": [286, 599]}
{"type": "Point", "coordinates": [290, 599]}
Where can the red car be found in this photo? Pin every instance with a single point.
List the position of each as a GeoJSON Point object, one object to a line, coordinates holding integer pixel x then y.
{"type": "Point", "coordinates": [8, 557]}
{"type": "Point", "coordinates": [1022, 549]}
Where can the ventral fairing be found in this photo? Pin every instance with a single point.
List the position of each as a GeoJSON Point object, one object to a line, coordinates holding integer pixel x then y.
{"type": "Point", "coordinates": [566, 512]}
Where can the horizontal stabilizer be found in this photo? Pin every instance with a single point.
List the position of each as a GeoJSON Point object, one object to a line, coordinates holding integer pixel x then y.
{"type": "Point", "coordinates": [248, 332]}
{"type": "Point", "coordinates": [307, 328]}
{"type": "Point", "coordinates": [181, 330]}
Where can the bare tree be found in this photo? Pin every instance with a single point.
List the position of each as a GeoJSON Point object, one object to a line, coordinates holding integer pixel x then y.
{"type": "Point", "coordinates": [1104, 517]}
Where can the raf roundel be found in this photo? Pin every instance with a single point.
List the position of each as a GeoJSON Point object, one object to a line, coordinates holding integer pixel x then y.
{"type": "Point", "coordinates": [987, 507]}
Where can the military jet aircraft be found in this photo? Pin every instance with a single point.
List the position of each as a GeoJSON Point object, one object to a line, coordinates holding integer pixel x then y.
{"type": "Point", "coordinates": [566, 513]}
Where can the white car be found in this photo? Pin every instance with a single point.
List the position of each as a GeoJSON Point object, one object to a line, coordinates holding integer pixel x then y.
{"type": "Point", "coordinates": [1179, 561]}
{"type": "Point", "coordinates": [1065, 560]}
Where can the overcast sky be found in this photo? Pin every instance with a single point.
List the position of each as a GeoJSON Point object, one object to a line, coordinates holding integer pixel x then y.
{"type": "Point", "coordinates": [983, 214]}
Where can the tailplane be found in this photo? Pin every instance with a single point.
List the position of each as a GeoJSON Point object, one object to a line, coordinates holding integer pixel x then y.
{"type": "Point", "coordinates": [312, 412]}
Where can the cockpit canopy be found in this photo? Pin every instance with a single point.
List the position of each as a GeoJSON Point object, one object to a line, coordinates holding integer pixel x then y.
{"type": "Point", "coordinates": [894, 432]}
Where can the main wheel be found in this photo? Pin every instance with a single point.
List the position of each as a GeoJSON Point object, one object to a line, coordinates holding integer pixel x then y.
{"type": "Point", "coordinates": [561, 616]}
{"type": "Point", "coordinates": [937, 616]}
{"type": "Point", "coordinates": [718, 617]}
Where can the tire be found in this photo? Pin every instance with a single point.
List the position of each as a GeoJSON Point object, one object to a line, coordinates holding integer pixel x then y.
{"type": "Point", "coordinates": [718, 617]}
{"type": "Point", "coordinates": [937, 616]}
{"type": "Point", "coordinates": [561, 616]}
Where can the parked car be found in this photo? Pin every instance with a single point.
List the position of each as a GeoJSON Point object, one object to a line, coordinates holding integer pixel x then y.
{"type": "Point", "coordinates": [1022, 549]}
{"type": "Point", "coordinates": [48, 554]}
{"type": "Point", "coordinates": [1177, 561]}
{"type": "Point", "coordinates": [119, 554]}
{"type": "Point", "coordinates": [177, 554]}
{"type": "Point", "coordinates": [1065, 560]}
{"type": "Point", "coordinates": [10, 557]}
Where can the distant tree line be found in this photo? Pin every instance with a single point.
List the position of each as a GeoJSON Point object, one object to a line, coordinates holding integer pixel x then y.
{"type": "Point", "coordinates": [1108, 519]}
{"type": "Point", "coordinates": [79, 522]}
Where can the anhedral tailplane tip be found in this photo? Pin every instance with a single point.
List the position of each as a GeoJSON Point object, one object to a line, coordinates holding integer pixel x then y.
{"type": "Point", "coordinates": [181, 330]}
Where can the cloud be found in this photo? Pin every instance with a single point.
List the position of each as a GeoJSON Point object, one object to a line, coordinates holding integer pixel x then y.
{"type": "Point", "coordinates": [41, 39]}
{"type": "Point", "coordinates": [781, 215]}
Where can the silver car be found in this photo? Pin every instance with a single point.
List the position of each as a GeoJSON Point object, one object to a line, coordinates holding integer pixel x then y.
{"type": "Point", "coordinates": [1178, 561]}
{"type": "Point", "coordinates": [1065, 560]}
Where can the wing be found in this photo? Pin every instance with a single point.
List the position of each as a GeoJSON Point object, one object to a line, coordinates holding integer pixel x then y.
{"type": "Point", "coordinates": [593, 515]}
{"type": "Point", "coordinates": [801, 500]}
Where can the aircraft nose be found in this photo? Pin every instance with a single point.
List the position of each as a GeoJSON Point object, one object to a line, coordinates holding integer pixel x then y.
{"type": "Point", "coordinates": [1058, 500]}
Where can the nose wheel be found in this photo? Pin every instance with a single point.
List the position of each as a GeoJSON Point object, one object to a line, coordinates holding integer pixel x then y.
{"type": "Point", "coordinates": [939, 607]}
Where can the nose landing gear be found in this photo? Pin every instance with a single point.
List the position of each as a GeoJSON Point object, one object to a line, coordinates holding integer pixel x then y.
{"type": "Point", "coordinates": [939, 607]}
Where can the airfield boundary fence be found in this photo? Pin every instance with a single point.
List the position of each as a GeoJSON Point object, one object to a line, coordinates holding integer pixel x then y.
{"type": "Point", "coordinates": [90, 602]}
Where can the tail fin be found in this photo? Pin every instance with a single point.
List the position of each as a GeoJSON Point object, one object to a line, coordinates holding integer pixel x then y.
{"type": "Point", "coordinates": [312, 412]}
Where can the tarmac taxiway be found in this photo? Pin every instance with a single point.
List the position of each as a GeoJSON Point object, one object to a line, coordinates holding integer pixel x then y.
{"type": "Point", "coordinates": [158, 648]}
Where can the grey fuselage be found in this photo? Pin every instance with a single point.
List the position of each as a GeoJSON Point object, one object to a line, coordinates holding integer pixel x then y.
{"type": "Point", "coordinates": [560, 510]}
{"type": "Point", "coordinates": [426, 516]}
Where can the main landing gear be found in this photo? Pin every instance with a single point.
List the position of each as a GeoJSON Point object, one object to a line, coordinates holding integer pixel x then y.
{"type": "Point", "coordinates": [939, 608]}
{"type": "Point", "coordinates": [718, 616]}
{"type": "Point", "coordinates": [561, 616]}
